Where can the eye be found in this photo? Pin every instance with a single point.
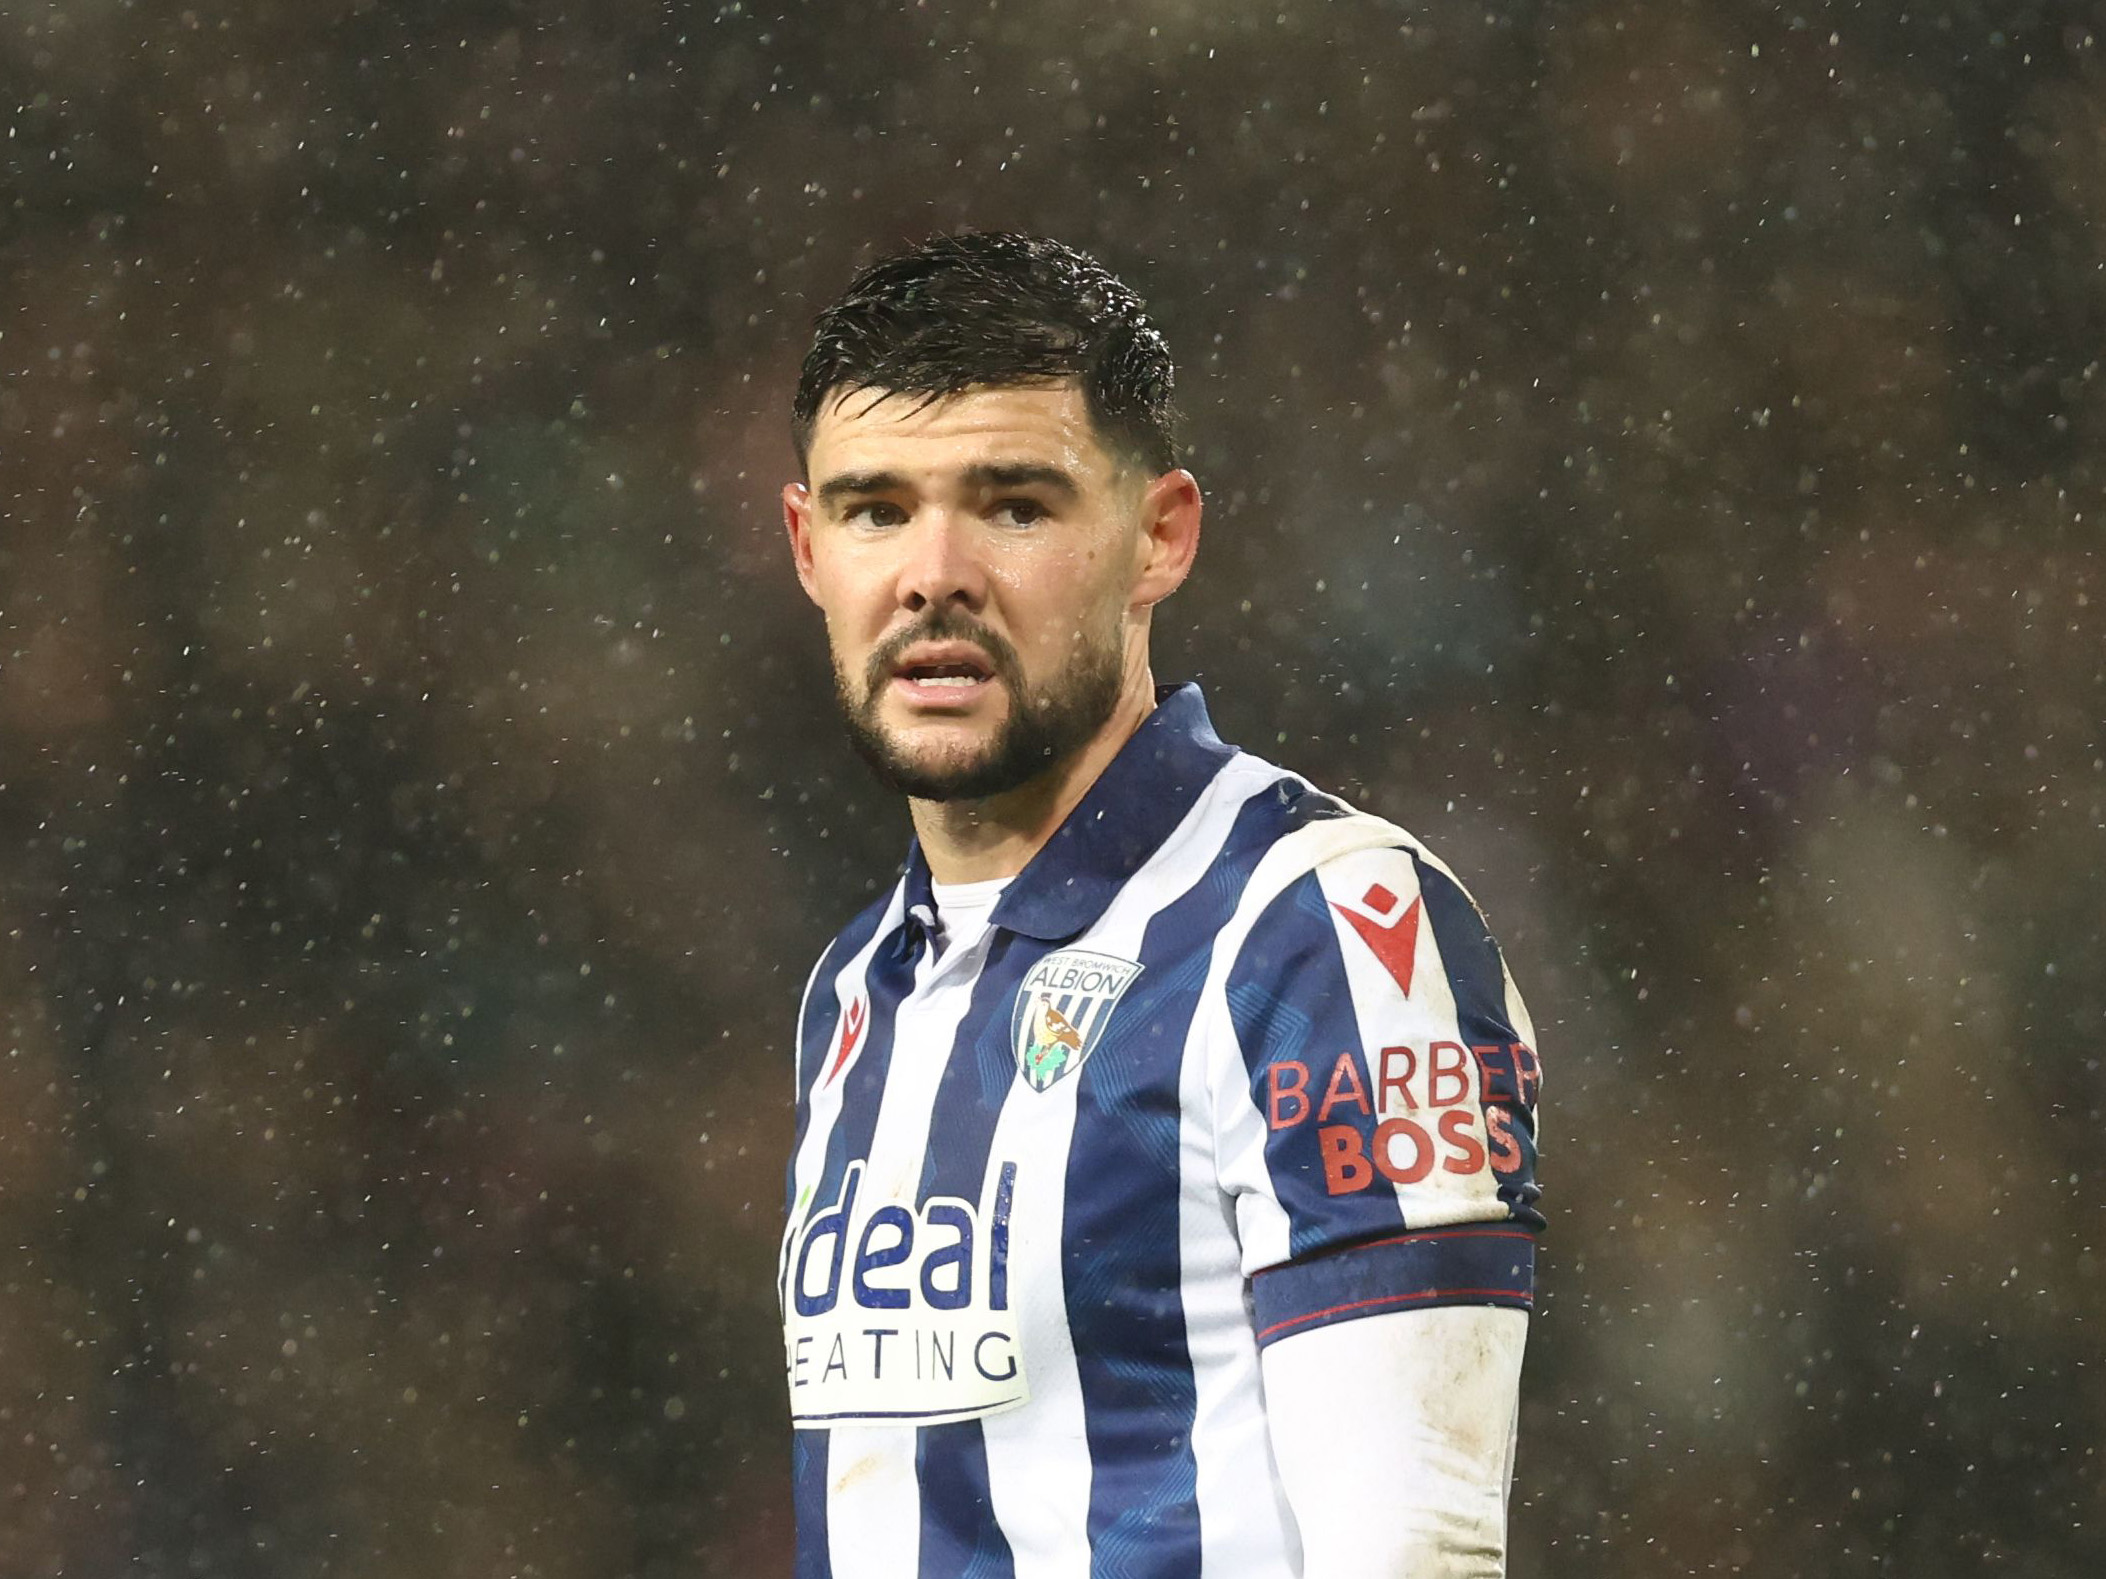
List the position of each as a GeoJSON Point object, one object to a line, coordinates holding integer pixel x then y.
{"type": "Point", "coordinates": [1020, 512]}
{"type": "Point", "coordinates": [875, 513]}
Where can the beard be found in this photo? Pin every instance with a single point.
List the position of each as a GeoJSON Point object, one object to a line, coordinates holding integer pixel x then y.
{"type": "Point", "coordinates": [1043, 727]}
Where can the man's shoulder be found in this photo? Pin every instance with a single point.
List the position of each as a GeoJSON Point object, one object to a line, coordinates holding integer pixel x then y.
{"type": "Point", "coordinates": [1305, 859]}
{"type": "Point", "coordinates": [1296, 827]}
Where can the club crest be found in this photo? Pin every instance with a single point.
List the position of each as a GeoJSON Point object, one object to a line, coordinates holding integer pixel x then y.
{"type": "Point", "coordinates": [1062, 1009]}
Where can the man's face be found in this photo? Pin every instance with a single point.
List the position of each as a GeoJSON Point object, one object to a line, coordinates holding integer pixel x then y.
{"type": "Point", "coordinates": [984, 569]}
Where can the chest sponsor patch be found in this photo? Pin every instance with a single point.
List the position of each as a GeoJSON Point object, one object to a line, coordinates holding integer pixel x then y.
{"type": "Point", "coordinates": [893, 1315]}
{"type": "Point", "coordinates": [1062, 1010]}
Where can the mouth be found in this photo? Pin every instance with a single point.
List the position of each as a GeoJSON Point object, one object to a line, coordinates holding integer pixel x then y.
{"type": "Point", "coordinates": [946, 675]}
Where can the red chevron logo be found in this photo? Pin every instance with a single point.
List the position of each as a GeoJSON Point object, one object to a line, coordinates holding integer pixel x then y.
{"type": "Point", "coordinates": [1389, 928]}
{"type": "Point", "coordinates": [851, 1034]}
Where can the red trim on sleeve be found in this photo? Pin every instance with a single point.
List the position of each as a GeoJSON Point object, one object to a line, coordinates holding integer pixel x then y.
{"type": "Point", "coordinates": [1332, 1312]}
{"type": "Point", "coordinates": [1468, 1264]}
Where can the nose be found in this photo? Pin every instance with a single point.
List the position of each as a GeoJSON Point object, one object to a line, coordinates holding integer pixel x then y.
{"type": "Point", "coordinates": [940, 563]}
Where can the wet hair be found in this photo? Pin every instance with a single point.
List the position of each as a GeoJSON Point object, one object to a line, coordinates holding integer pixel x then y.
{"type": "Point", "coordinates": [993, 309]}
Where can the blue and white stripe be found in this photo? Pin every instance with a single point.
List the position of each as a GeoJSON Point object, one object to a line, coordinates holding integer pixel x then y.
{"type": "Point", "coordinates": [1164, 1223]}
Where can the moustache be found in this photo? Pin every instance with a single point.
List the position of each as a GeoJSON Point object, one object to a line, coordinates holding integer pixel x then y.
{"type": "Point", "coordinates": [944, 625]}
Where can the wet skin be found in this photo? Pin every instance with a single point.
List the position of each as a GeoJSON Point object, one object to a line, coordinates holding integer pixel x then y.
{"type": "Point", "coordinates": [997, 519]}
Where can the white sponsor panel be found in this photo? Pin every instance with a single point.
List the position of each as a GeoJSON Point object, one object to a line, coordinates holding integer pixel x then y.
{"type": "Point", "coordinates": [897, 1315]}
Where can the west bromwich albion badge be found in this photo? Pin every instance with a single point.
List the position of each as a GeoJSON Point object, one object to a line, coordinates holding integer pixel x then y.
{"type": "Point", "coordinates": [1062, 1009]}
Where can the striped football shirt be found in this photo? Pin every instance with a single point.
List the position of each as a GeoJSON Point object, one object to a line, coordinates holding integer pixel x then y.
{"type": "Point", "coordinates": [1227, 1062]}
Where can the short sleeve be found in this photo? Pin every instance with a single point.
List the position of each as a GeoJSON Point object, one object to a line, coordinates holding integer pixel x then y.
{"type": "Point", "coordinates": [1376, 1118]}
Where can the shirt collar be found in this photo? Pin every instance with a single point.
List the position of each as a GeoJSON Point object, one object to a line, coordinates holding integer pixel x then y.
{"type": "Point", "coordinates": [1122, 819]}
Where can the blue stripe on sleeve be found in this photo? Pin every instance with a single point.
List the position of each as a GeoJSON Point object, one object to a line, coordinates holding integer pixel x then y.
{"type": "Point", "coordinates": [1477, 977]}
{"type": "Point", "coordinates": [1295, 1022]}
{"type": "Point", "coordinates": [1475, 1264]}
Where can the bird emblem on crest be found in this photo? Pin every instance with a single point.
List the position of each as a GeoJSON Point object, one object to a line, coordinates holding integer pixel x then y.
{"type": "Point", "coordinates": [1062, 1009]}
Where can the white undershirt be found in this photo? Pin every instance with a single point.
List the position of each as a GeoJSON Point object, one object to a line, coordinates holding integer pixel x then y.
{"type": "Point", "coordinates": [962, 909]}
{"type": "Point", "coordinates": [1394, 1436]}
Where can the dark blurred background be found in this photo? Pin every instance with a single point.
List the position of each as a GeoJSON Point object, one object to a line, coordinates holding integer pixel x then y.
{"type": "Point", "coordinates": [1652, 452]}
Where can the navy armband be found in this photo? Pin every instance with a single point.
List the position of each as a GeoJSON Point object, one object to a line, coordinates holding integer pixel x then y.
{"type": "Point", "coordinates": [1470, 1264]}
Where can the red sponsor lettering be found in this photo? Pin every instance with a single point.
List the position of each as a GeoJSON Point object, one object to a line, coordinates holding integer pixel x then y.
{"type": "Point", "coordinates": [1345, 1086]}
{"type": "Point", "coordinates": [1528, 1072]}
{"type": "Point", "coordinates": [1484, 1053]}
{"type": "Point", "coordinates": [1405, 1151]}
{"type": "Point", "coordinates": [1345, 1159]}
{"type": "Point", "coordinates": [1397, 1080]}
{"type": "Point", "coordinates": [1281, 1090]}
{"type": "Point", "coordinates": [1506, 1154]}
{"type": "Point", "coordinates": [1447, 1070]}
{"type": "Point", "coordinates": [1387, 1134]}
{"type": "Point", "coordinates": [1466, 1154]}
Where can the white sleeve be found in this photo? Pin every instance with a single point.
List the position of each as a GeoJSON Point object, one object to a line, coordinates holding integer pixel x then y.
{"type": "Point", "coordinates": [1394, 1437]}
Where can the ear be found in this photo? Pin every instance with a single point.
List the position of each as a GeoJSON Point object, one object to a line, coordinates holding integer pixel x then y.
{"type": "Point", "coordinates": [797, 521]}
{"type": "Point", "coordinates": [1170, 509]}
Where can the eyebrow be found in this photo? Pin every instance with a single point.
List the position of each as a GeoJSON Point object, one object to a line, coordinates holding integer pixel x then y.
{"type": "Point", "coordinates": [1024, 474]}
{"type": "Point", "coordinates": [1017, 474]}
{"type": "Point", "coordinates": [848, 485]}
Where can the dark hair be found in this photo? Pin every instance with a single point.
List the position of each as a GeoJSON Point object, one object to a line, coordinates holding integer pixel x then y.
{"type": "Point", "coordinates": [991, 308]}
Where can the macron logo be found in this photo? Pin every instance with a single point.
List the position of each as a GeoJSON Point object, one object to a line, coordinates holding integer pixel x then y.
{"type": "Point", "coordinates": [1390, 928]}
{"type": "Point", "coordinates": [851, 1035]}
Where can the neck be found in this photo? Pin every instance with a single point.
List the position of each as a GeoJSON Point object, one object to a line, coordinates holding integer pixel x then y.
{"type": "Point", "coordinates": [968, 841]}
